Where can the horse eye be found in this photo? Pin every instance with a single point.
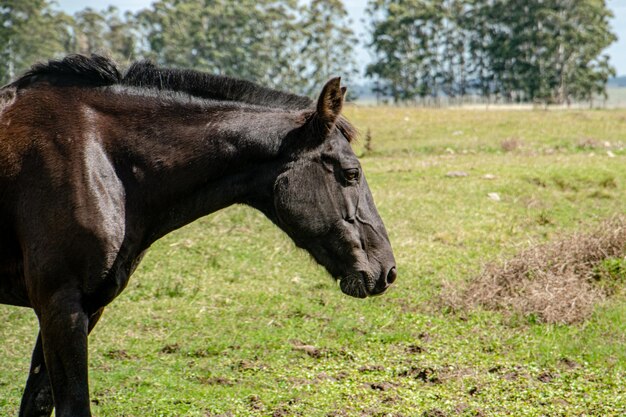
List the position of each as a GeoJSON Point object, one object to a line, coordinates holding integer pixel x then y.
{"type": "Point", "coordinates": [351, 175]}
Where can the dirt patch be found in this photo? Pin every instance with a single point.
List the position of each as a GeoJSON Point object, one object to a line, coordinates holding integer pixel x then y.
{"type": "Point", "coordinates": [546, 377]}
{"type": "Point", "coordinates": [414, 349]}
{"type": "Point", "coordinates": [380, 386]}
{"type": "Point", "coordinates": [569, 363]}
{"type": "Point", "coordinates": [215, 381]}
{"type": "Point", "coordinates": [557, 282]}
{"type": "Point", "coordinates": [426, 374]}
{"type": "Point", "coordinates": [286, 409]}
{"type": "Point", "coordinates": [466, 410]}
{"type": "Point", "coordinates": [310, 350]}
{"type": "Point", "coordinates": [118, 354]}
{"type": "Point", "coordinates": [434, 412]}
{"type": "Point", "coordinates": [169, 349]}
{"type": "Point", "coordinates": [372, 368]}
{"type": "Point", "coordinates": [511, 144]}
{"type": "Point", "coordinates": [337, 413]}
{"type": "Point", "coordinates": [247, 365]}
{"type": "Point", "coordinates": [255, 403]}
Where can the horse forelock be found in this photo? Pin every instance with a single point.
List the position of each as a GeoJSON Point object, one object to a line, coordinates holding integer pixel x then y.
{"type": "Point", "coordinates": [347, 129]}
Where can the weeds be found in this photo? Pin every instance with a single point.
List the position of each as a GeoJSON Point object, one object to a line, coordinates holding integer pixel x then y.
{"type": "Point", "coordinates": [368, 147]}
{"type": "Point", "coordinates": [556, 282]}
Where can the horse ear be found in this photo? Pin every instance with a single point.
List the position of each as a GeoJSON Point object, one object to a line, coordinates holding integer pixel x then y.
{"type": "Point", "coordinates": [330, 102]}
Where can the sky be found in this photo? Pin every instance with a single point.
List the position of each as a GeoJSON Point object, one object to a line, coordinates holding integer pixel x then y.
{"type": "Point", "coordinates": [356, 9]}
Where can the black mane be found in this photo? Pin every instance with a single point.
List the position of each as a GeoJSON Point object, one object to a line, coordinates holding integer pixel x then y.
{"type": "Point", "coordinates": [98, 71]}
{"type": "Point", "coordinates": [217, 87]}
{"type": "Point", "coordinates": [76, 70]}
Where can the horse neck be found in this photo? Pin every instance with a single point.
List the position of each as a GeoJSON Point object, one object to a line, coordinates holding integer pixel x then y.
{"type": "Point", "coordinates": [186, 162]}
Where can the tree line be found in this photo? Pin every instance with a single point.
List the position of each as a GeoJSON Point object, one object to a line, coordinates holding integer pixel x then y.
{"type": "Point", "coordinates": [514, 50]}
{"type": "Point", "coordinates": [547, 51]}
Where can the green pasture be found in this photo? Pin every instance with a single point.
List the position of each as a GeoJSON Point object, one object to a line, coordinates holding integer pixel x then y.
{"type": "Point", "coordinates": [226, 318]}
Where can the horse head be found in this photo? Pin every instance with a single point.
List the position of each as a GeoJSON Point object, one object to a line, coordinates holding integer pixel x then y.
{"type": "Point", "coordinates": [323, 202]}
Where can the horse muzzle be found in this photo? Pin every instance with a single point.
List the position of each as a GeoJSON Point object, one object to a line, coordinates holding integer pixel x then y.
{"type": "Point", "coordinates": [360, 285]}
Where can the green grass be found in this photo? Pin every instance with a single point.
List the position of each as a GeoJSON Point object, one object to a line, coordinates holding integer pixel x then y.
{"type": "Point", "coordinates": [210, 322]}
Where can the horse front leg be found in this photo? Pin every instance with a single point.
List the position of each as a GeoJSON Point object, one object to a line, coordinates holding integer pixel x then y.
{"type": "Point", "coordinates": [64, 328]}
{"type": "Point", "coordinates": [37, 398]}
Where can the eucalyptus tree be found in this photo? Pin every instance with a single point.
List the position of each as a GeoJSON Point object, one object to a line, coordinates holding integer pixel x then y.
{"type": "Point", "coordinates": [30, 30]}
{"type": "Point", "coordinates": [550, 50]}
{"type": "Point", "coordinates": [405, 43]}
{"type": "Point", "coordinates": [476, 25]}
{"type": "Point", "coordinates": [89, 29]}
{"type": "Point", "coordinates": [582, 32]}
{"type": "Point", "coordinates": [328, 43]}
{"type": "Point", "coordinates": [105, 32]}
{"type": "Point", "coordinates": [249, 39]}
{"type": "Point", "coordinates": [454, 44]}
{"type": "Point", "coordinates": [109, 31]}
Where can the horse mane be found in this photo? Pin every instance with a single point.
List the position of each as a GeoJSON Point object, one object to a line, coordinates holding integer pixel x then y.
{"type": "Point", "coordinates": [216, 87]}
{"type": "Point", "coordinates": [74, 70]}
{"type": "Point", "coordinates": [220, 87]}
{"type": "Point", "coordinates": [99, 71]}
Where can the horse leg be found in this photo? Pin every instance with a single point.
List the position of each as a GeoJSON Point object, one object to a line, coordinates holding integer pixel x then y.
{"type": "Point", "coordinates": [64, 324]}
{"type": "Point", "coordinates": [37, 399]}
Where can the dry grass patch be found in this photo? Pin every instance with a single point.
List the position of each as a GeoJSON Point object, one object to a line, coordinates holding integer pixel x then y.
{"type": "Point", "coordinates": [511, 144]}
{"type": "Point", "coordinates": [556, 282]}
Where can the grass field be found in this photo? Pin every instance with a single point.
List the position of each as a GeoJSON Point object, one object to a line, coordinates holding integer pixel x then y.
{"type": "Point", "coordinates": [226, 318]}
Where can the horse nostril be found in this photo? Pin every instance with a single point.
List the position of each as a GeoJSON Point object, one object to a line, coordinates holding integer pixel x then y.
{"type": "Point", "coordinates": [391, 275]}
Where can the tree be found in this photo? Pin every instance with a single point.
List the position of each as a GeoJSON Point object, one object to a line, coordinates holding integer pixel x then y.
{"type": "Point", "coordinates": [455, 45]}
{"type": "Point", "coordinates": [104, 32]}
{"type": "Point", "coordinates": [406, 42]}
{"type": "Point", "coordinates": [582, 34]}
{"type": "Point", "coordinates": [329, 43]}
{"type": "Point", "coordinates": [30, 31]}
{"type": "Point", "coordinates": [550, 50]}
{"type": "Point", "coordinates": [248, 39]}
{"type": "Point", "coordinates": [546, 51]}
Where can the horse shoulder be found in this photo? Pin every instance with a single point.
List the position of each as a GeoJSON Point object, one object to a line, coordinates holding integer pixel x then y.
{"type": "Point", "coordinates": [69, 203]}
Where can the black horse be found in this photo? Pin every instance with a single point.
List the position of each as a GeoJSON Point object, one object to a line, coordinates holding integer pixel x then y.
{"type": "Point", "coordinates": [95, 166]}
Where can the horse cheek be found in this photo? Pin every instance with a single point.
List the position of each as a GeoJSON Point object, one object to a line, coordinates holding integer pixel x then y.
{"type": "Point", "coordinates": [298, 206]}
